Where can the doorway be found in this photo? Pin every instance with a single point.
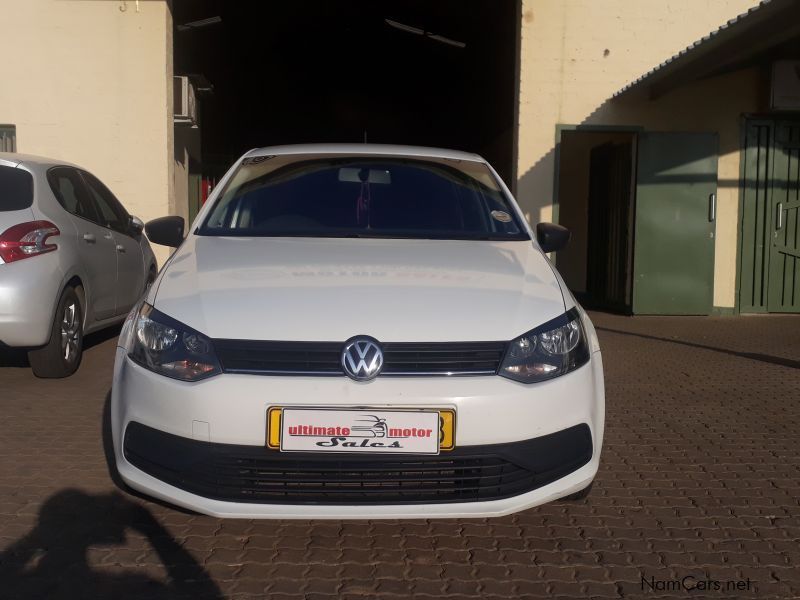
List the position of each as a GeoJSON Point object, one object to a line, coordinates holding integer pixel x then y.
{"type": "Point", "coordinates": [769, 274]}
{"type": "Point", "coordinates": [596, 179]}
{"type": "Point", "coordinates": [642, 210]}
{"type": "Point", "coordinates": [610, 253]}
{"type": "Point", "coordinates": [398, 71]}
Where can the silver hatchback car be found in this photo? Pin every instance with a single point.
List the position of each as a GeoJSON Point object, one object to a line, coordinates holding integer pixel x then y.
{"type": "Point", "coordinates": [72, 260]}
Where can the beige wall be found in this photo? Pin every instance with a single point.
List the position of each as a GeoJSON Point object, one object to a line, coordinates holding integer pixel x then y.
{"type": "Point", "coordinates": [575, 54]}
{"type": "Point", "coordinates": [87, 82]}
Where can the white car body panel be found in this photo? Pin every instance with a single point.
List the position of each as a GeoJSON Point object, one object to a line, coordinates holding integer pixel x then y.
{"type": "Point", "coordinates": [330, 289]}
{"type": "Point", "coordinates": [316, 289]}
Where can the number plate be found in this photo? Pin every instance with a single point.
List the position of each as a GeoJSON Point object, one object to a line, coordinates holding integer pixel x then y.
{"type": "Point", "coordinates": [295, 429]}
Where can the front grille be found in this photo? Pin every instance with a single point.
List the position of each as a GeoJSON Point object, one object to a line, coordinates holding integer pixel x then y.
{"type": "Point", "coordinates": [279, 358]}
{"type": "Point", "coordinates": [259, 475]}
{"type": "Point", "coordinates": [442, 358]}
{"type": "Point", "coordinates": [324, 358]}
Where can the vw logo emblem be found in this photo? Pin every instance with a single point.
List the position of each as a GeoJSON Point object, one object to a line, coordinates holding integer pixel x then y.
{"type": "Point", "coordinates": [362, 358]}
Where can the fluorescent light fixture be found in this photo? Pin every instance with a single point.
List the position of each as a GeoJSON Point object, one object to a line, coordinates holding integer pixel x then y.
{"type": "Point", "coordinates": [402, 27]}
{"type": "Point", "coordinates": [448, 41]}
{"type": "Point", "coordinates": [200, 23]}
{"type": "Point", "coordinates": [431, 36]}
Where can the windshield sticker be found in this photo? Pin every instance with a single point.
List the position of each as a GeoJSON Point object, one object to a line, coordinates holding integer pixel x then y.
{"type": "Point", "coordinates": [501, 215]}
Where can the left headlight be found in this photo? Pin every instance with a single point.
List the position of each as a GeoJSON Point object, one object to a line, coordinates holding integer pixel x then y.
{"type": "Point", "coordinates": [553, 349]}
{"type": "Point", "coordinates": [163, 345]}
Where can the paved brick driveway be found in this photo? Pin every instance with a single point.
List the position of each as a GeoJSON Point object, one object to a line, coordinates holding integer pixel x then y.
{"type": "Point", "coordinates": [700, 477]}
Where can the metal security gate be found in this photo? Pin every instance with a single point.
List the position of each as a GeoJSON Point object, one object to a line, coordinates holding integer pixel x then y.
{"type": "Point", "coordinates": [784, 259]}
{"type": "Point", "coordinates": [770, 254]}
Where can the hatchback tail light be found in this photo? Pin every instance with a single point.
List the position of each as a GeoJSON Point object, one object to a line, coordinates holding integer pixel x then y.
{"type": "Point", "coordinates": [26, 240]}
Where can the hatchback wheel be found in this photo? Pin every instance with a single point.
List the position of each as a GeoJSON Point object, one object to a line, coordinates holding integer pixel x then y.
{"type": "Point", "coordinates": [62, 354]}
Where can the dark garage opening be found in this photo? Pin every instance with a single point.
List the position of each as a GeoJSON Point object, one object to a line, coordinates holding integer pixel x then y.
{"type": "Point", "coordinates": [596, 189]}
{"type": "Point", "coordinates": [350, 70]}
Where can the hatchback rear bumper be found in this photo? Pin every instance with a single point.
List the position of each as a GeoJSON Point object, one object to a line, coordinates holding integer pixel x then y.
{"type": "Point", "coordinates": [29, 290]}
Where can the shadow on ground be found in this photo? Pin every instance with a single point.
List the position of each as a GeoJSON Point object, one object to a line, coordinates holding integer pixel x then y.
{"type": "Point", "coordinates": [775, 360]}
{"type": "Point", "coordinates": [18, 358]}
{"type": "Point", "coordinates": [51, 560]}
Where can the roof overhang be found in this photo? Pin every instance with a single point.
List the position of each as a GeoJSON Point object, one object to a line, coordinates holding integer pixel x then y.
{"type": "Point", "coordinates": [741, 42]}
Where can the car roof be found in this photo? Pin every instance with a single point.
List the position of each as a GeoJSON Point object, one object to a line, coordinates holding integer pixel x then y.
{"type": "Point", "coordinates": [30, 160]}
{"type": "Point", "coordinates": [366, 149]}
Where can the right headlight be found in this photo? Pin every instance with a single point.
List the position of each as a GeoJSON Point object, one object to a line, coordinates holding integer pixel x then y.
{"type": "Point", "coordinates": [166, 346]}
{"type": "Point", "coordinates": [553, 349]}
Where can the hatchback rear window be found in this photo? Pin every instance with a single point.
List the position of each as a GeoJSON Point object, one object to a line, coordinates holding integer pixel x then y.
{"type": "Point", "coordinates": [363, 196]}
{"type": "Point", "coordinates": [16, 189]}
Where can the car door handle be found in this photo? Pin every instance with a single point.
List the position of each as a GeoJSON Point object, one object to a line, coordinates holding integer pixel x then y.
{"type": "Point", "coordinates": [120, 248]}
{"type": "Point", "coordinates": [89, 238]}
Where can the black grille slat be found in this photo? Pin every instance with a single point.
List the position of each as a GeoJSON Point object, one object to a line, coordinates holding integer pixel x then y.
{"type": "Point", "coordinates": [401, 479]}
{"type": "Point", "coordinates": [477, 481]}
{"type": "Point", "coordinates": [291, 470]}
{"type": "Point", "coordinates": [436, 361]}
{"type": "Point", "coordinates": [256, 474]}
{"type": "Point", "coordinates": [335, 488]}
{"type": "Point", "coordinates": [298, 358]}
{"type": "Point", "coordinates": [375, 468]}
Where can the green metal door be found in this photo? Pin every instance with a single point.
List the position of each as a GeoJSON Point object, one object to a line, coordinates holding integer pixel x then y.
{"type": "Point", "coordinates": [676, 186]}
{"type": "Point", "coordinates": [784, 253]}
{"type": "Point", "coordinates": [757, 216]}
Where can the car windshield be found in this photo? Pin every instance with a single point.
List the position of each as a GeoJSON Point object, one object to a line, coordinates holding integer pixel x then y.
{"type": "Point", "coordinates": [335, 196]}
{"type": "Point", "coordinates": [16, 189]}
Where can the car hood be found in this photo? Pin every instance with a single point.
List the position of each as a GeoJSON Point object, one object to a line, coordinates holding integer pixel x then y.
{"type": "Point", "coordinates": [330, 289]}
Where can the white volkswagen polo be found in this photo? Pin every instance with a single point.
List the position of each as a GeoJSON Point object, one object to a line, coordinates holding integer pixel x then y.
{"type": "Point", "coordinates": [358, 331]}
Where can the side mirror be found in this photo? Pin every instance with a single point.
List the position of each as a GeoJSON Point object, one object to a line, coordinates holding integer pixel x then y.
{"type": "Point", "coordinates": [167, 231]}
{"type": "Point", "coordinates": [136, 225]}
{"type": "Point", "coordinates": [552, 237]}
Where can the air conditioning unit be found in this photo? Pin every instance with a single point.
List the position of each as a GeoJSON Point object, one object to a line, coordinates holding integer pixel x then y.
{"type": "Point", "coordinates": [785, 85]}
{"type": "Point", "coordinates": [184, 100]}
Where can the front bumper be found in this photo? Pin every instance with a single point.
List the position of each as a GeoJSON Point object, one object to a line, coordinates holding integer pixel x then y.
{"type": "Point", "coordinates": [178, 426]}
{"type": "Point", "coordinates": [253, 474]}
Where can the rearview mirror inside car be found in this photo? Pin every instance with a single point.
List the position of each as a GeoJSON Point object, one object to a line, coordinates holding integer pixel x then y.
{"type": "Point", "coordinates": [166, 231]}
{"type": "Point", "coordinates": [552, 237]}
{"type": "Point", "coordinates": [355, 175]}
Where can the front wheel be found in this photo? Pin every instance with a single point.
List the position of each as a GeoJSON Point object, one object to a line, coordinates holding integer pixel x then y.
{"type": "Point", "coordinates": [61, 357]}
